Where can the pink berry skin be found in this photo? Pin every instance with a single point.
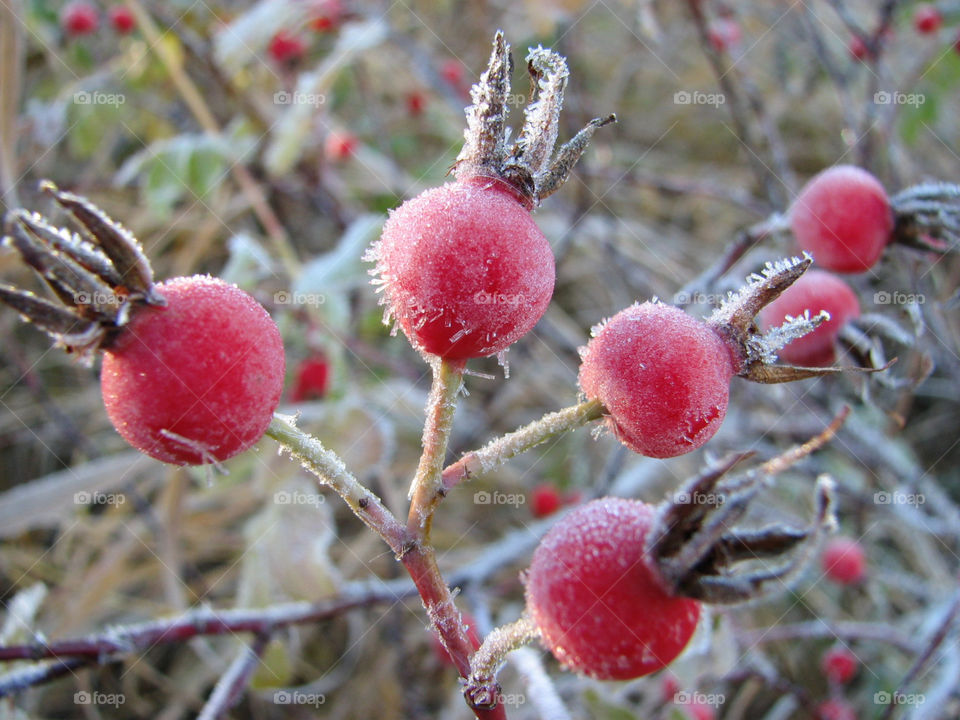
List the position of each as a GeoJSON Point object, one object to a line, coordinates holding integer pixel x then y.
{"type": "Point", "coordinates": [858, 48]}
{"type": "Point", "coordinates": [927, 19]}
{"type": "Point", "coordinates": [815, 290]}
{"type": "Point", "coordinates": [843, 561]}
{"type": "Point", "coordinates": [286, 47]}
{"type": "Point", "coordinates": [466, 270]}
{"type": "Point", "coordinates": [208, 368]}
{"type": "Point", "coordinates": [839, 665]}
{"type": "Point", "coordinates": [843, 218]}
{"type": "Point", "coordinates": [663, 376]}
{"type": "Point", "coordinates": [600, 606]}
{"type": "Point", "coordinates": [79, 18]}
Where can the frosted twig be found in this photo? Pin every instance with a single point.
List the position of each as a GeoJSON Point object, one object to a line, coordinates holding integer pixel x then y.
{"type": "Point", "coordinates": [331, 471]}
{"type": "Point", "coordinates": [498, 451]}
{"type": "Point", "coordinates": [226, 693]}
{"type": "Point", "coordinates": [441, 406]}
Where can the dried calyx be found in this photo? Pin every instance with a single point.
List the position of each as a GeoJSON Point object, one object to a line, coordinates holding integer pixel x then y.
{"type": "Point", "coordinates": [735, 320]}
{"type": "Point", "coordinates": [927, 217]}
{"type": "Point", "coordinates": [529, 164]}
{"type": "Point", "coordinates": [700, 553]}
{"type": "Point", "coordinates": [98, 275]}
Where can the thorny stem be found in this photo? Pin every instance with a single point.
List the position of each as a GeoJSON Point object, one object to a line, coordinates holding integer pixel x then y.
{"type": "Point", "coordinates": [498, 451]}
{"type": "Point", "coordinates": [441, 406]}
{"type": "Point", "coordinates": [331, 471]}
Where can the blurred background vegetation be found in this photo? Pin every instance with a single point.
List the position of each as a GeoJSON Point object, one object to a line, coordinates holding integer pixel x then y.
{"type": "Point", "coordinates": [265, 143]}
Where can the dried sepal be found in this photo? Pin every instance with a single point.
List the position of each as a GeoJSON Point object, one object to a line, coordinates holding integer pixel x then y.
{"type": "Point", "coordinates": [927, 217]}
{"type": "Point", "coordinates": [736, 314]}
{"type": "Point", "coordinates": [699, 551]}
{"type": "Point", "coordinates": [118, 244]}
{"type": "Point", "coordinates": [528, 164]}
{"type": "Point", "coordinates": [73, 284]}
{"type": "Point", "coordinates": [98, 280]}
{"type": "Point", "coordinates": [484, 151]}
{"type": "Point", "coordinates": [735, 321]}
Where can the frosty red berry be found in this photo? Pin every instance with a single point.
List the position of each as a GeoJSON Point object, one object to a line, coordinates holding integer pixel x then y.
{"type": "Point", "coordinates": [465, 270]}
{"type": "Point", "coordinates": [597, 600]}
{"type": "Point", "coordinates": [816, 290]}
{"type": "Point", "coordinates": [192, 368]}
{"type": "Point", "coordinates": [197, 380]}
{"type": "Point", "coordinates": [843, 218]}
{"type": "Point", "coordinates": [663, 376]}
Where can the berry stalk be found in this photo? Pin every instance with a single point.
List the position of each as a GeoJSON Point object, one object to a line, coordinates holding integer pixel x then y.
{"type": "Point", "coordinates": [441, 406]}
{"type": "Point", "coordinates": [331, 471]}
{"type": "Point", "coordinates": [497, 452]}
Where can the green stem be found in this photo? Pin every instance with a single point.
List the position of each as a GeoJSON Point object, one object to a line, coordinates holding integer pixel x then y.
{"type": "Point", "coordinates": [427, 483]}
{"type": "Point", "coordinates": [331, 471]}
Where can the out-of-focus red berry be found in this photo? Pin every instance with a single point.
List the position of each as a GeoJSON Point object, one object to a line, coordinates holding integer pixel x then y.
{"type": "Point", "coordinates": [724, 34]}
{"type": "Point", "coordinates": [843, 561]}
{"type": "Point", "coordinates": [843, 218]}
{"type": "Point", "coordinates": [340, 145]}
{"type": "Point", "coordinates": [699, 711]}
{"type": "Point", "coordinates": [669, 687]}
{"type": "Point", "coordinates": [416, 102]}
{"type": "Point", "coordinates": [836, 709]}
{"type": "Point", "coordinates": [286, 47]}
{"type": "Point", "coordinates": [452, 71]}
{"type": "Point", "coordinates": [545, 500]}
{"type": "Point", "coordinates": [927, 19]}
{"type": "Point", "coordinates": [79, 18]}
{"type": "Point", "coordinates": [858, 48]}
{"type": "Point", "coordinates": [121, 19]}
{"type": "Point", "coordinates": [326, 16]}
{"type": "Point", "coordinates": [815, 290]}
{"type": "Point", "coordinates": [312, 379]}
{"type": "Point", "coordinates": [839, 665]}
